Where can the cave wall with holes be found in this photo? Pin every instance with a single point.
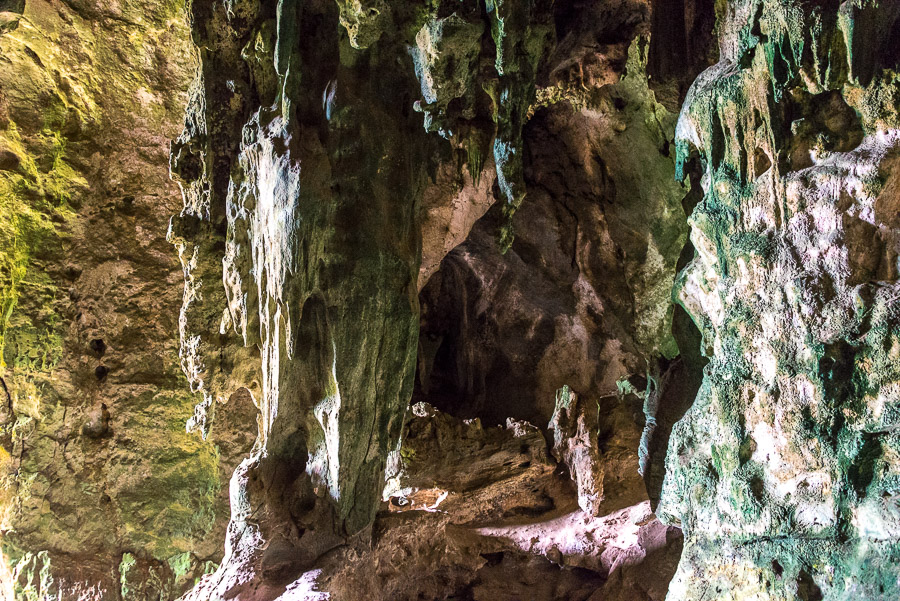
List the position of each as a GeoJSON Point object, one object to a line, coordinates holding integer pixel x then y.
{"type": "Point", "coordinates": [103, 492]}
{"type": "Point", "coordinates": [479, 300]}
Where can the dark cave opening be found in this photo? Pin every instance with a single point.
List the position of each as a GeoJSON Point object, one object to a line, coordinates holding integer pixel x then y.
{"type": "Point", "coordinates": [98, 346]}
{"type": "Point", "coordinates": [682, 44]}
{"type": "Point", "coordinates": [471, 361]}
{"type": "Point", "coordinates": [499, 334]}
{"type": "Point", "coordinates": [12, 6]}
{"type": "Point", "coordinates": [100, 372]}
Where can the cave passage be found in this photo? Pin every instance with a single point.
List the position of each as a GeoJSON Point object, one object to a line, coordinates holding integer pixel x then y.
{"type": "Point", "coordinates": [483, 300]}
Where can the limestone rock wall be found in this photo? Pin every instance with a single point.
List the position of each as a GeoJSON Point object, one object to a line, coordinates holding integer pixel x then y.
{"type": "Point", "coordinates": [339, 158]}
{"type": "Point", "coordinates": [460, 299]}
{"type": "Point", "coordinates": [783, 473]}
{"type": "Point", "coordinates": [103, 494]}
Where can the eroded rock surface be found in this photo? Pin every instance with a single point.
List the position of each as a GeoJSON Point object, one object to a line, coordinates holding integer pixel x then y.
{"type": "Point", "coordinates": [313, 191]}
{"type": "Point", "coordinates": [472, 290]}
{"type": "Point", "coordinates": [103, 494]}
{"type": "Point", "coordinates": [782, 474]}
{"type": "Point", "coordinates": [502, 522]}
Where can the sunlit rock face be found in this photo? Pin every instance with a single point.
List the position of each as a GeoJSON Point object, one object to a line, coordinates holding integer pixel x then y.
{"type": "Point", "coordinates": [783, 474]}
{"type": "Point", "coordinates": [103, 494]}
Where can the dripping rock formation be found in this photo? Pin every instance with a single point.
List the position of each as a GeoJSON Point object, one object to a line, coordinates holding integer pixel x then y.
{"type": "Point", "coordinates": [464, 300]}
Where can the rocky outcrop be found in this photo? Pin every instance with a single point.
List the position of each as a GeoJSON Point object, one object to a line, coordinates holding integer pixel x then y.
{"type": "Point", "coordinates": [782, 473]}
{"type": "Point", "coordinates": [502, 522]}
{"type": "Point", "coordinates": [103, 494]}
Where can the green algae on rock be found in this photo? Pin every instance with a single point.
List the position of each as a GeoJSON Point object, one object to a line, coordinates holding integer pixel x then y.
{"type": "Point", "coordinates": [480, 96]}
{"type": "Point", "coordinates": [781, 474]}
{"type": "Point", "coordinates": [96, 463]}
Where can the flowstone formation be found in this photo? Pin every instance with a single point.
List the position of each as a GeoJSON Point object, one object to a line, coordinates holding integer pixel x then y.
{"type": "Point", "coordinates": [784, 473]}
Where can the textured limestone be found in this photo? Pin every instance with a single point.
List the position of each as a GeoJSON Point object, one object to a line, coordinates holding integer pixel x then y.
{"type": "Point", "coordinates": [98, 473]}
{"type": "Point", "coordinates": [353, 172]}
{"type": "Point", "coordinates": [782, 474]}
{"type": "Point", "coordinates": [314, 193]}
{"type": "Point", "coordinates": [583, 296]}
{"type": "Point", "coordinates": [574, 424]}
